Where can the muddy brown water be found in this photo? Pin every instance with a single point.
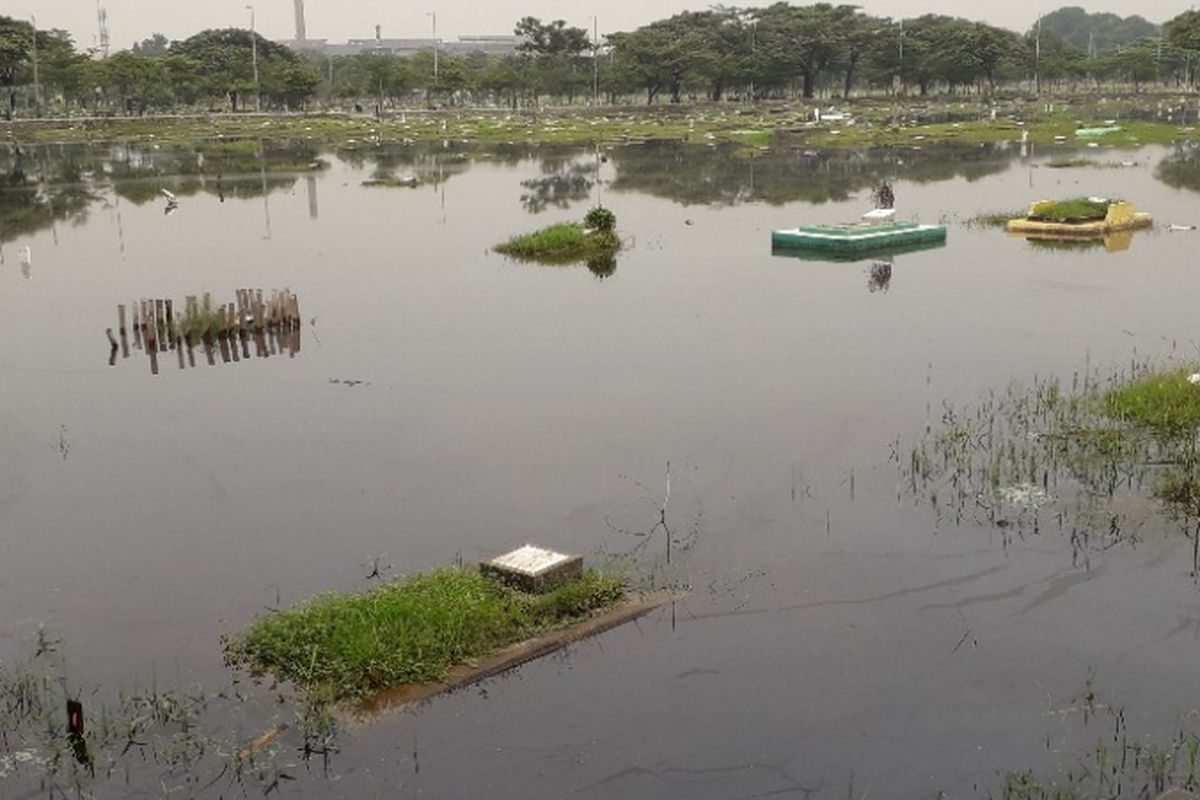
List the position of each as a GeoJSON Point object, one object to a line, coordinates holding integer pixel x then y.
{"type": "Point", "coordinates": [449, 403]}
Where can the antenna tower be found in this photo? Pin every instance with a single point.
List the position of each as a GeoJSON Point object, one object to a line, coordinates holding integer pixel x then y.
{"type": "Point", "coordinates": [102, 22]}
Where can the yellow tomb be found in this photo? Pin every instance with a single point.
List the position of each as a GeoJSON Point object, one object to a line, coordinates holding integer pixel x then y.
{"type": "Point", "coordinates": [1120, 217]}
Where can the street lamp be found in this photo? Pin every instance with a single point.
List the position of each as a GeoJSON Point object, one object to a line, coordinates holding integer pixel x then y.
{"type": "Point", "coordinates": [433, 15]}
{"type": "Point", "coordinates": [37, 94]}
{"type": "Point", "coordinates": [753, 54]}
{"type": "Point", "coordinates": [595, 60]}
{"type": "Point", "coordinates": [1037, 59]}
{"type": "Point", "coordinates": [254, 60]}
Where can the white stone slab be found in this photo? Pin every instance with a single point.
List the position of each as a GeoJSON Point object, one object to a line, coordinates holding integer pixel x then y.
{"type": "Point", "coordinates": [534, 569]}
{"type": "Point", "coordinates": [531, 560]}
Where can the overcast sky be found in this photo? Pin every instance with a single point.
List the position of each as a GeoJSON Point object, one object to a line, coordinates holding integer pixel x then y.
{"type": "Point", "coordinates": [132, 20]}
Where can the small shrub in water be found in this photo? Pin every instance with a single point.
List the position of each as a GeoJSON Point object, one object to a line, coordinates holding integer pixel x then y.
{"type": "Point", "coordinates": [600, 219]}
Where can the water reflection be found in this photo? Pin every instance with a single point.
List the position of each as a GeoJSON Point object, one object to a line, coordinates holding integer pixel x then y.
{"type": "Point", "coordinates": [226, 331]}
{"type": "Point", "coordinates": [728, 176]}
{"type": "Point", "coordinates": [880, 275]}
{"type": "Point", "coordinates": [1117, 242]}
{"type": "Point", "coordinates": [564, 181]}
{"type": "Point", "coordinates": [40, 187]}
{"type": "Point", "coordinates": [38, 192]}
{"type": "Point", "coordinates": [1181, 169]}
{"type": "Point", "coordinates": [883, 252]}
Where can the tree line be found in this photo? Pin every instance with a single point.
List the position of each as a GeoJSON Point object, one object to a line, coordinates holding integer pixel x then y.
{"type": "Point", "coordinates": [780, 51]}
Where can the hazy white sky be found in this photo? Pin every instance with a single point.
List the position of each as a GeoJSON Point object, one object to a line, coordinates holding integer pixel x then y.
{"type": "Point", "coordinates": [338, 20]}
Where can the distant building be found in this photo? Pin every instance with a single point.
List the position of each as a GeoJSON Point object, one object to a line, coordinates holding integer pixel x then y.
{"type": "Point", "coordinates": [492, 44]}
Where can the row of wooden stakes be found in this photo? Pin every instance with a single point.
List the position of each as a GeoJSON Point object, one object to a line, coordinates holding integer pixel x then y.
{"type": "Point", "coordinates": [273, 324]}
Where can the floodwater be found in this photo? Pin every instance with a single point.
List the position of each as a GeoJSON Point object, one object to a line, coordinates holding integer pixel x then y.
{"type": "Point", "coordinates": [447, 403]}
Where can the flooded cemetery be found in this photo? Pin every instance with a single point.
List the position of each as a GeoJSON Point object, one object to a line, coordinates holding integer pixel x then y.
{"type": "Point", "coordinates": [916, 520]}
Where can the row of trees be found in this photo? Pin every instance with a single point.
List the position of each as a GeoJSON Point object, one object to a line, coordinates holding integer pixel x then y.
{"type": "Point", "coordinates": [780, 50]}
{"type": "Point", "coordinates": [215, 66]}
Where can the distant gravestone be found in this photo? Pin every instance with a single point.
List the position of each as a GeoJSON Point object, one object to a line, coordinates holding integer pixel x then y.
{"type": "Point", "coordinates": [534, 569]}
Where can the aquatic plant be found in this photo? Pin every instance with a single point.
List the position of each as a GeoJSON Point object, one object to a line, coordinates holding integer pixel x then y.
{"type": "Point", "coordinates": [1121, 764]}
{"type": "Point", "coordinates": [562, 243]}
{"type": "Point", "coordinates": [171, 739]}
{"type": "Point", "coordinates": [993, 219]}
{"type": "Point", "coordinates": [347, 645]}
{"type": "Point", "coordinates": [1079, 209]}
{"type": "Point", "coordinates": [1068, 163]}
{"type": "Point", "coordinates": [1040, 452]}
{"type": "Point", "coordinates": [1167, 403]}
{"type": "Point", "coordinates": [600, 219]}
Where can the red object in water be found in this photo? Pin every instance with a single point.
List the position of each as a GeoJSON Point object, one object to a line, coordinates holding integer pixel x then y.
{"type": "Point", "coordinates": [75, 718]}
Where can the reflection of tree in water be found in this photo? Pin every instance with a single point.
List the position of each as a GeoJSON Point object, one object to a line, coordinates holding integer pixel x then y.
{"type": "Point", "coordinates": [689, 174]}
{"type": "Point", "coordinates": [140, 191]}
{"type": "Point", "coordinates": [1181, 169]}
{"type": "Point", "coordinates": [602, 266]}
{"type": "Point", "coordinates": [36, 192]}
{"type": "Point", "coordinates": [44, 185]}
{"type": "Point", "coordinates": [562, 183]}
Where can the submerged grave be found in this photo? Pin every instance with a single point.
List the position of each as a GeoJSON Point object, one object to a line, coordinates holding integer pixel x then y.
{"type": "Point", "coordinates": [594, 240]}
{"type": "Point", "coordinates": [1079, 218]}
{"type": "Point", "coordinates": [416, 637]}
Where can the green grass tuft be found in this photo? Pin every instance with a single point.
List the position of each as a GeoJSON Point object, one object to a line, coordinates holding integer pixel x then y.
{"type": "Point", "coordinates": [1166, 403]}
{"type": "Point", "coordinates": [993, 219]}
{"type": "Point", "coordinates": [1078, 209]}
{"type": "Point", "coordinates": [1069, 163]}
{"type": "Point", "coordinates": [561, 243]}
{"type": "Point", "coordinates": [341, 646]}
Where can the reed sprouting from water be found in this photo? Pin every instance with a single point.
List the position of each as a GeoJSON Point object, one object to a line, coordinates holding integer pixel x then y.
{"type": "Point", "coordinates": [169, 740]}
{"type": "Point", "coordinates": [1086, 456]}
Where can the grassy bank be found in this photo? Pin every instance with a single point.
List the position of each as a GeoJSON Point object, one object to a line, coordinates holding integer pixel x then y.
{"type": "Point", "coordinates": [341, 646]}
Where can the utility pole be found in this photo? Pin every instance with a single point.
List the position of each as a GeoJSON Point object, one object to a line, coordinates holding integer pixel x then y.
{"type": "Point", "coordinates": [433, 14]}
{"type": "Point", "coordinates": [753, 52]}
{"type": "Point", "coordinates": [1037, 60]}
{"type": "Point", "coordinates": [254, 60]}
{"type": "Point", "coordinates": [595, 61]}
{"type": "Point", "coordinates": [37, 94]}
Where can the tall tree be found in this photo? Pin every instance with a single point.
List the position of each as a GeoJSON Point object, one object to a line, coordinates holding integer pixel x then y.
{"type": "Point", "coordinates": [156, 45]}
{"type": "Point", "coordinates": [224, 58]}
{"type": "Point", "coordinates": [1096, 33]}
{"type": "Point", "coordinates": [554, 50]}
{"type": "Point", "coordinates": [802, 40]}
{"type": "Point", "coordinates": [1183, 34]}
{"type": "Point", "coordinates": [16, 48]}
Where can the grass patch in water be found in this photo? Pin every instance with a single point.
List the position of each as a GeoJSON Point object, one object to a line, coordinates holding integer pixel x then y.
{"type": "Point", "coordinates": [338, 646]}
{"type": "Point", "coordinates": [1167, 403]}
{"type": "Point", "coordinates": [1069, 163]}
{"type": "Point", "coordinates": [390, 183]}
{"type": "Point", "coordinates": [1078, 209]}
{"type": "Point", "coordinates": [1070, 456]}
{"type": "Point", "coordinates": [993, 219]}
{"type": "Point", "coordinates": [562, 243]}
